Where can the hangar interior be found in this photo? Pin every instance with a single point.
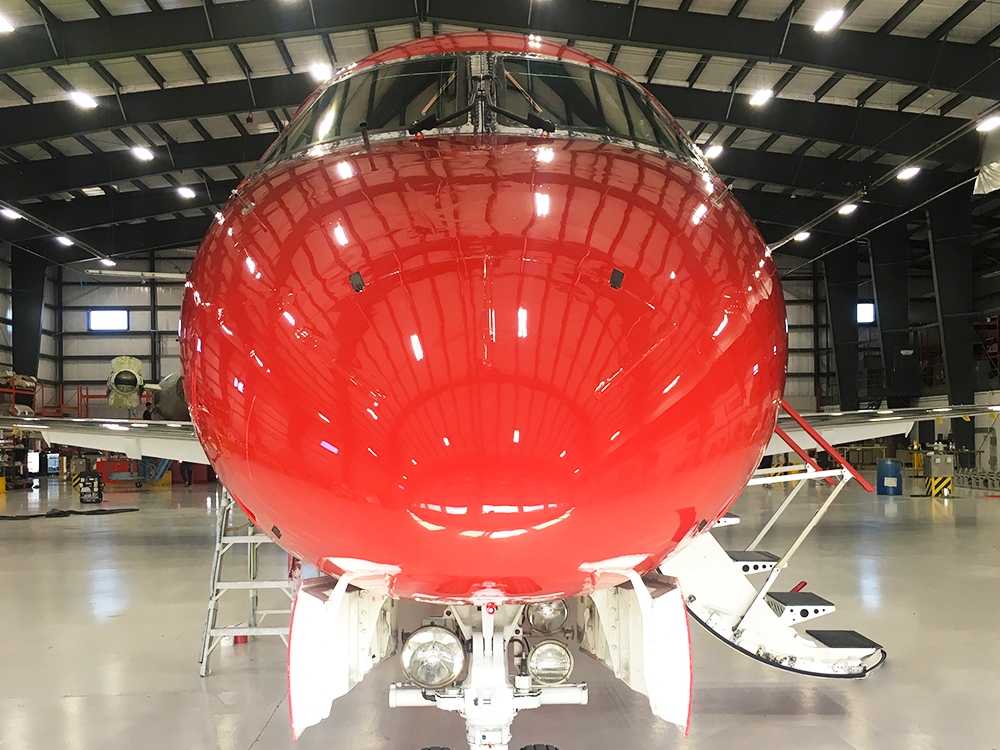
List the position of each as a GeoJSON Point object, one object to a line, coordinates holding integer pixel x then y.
{"type": "Point", "coordinates": [125, 125]}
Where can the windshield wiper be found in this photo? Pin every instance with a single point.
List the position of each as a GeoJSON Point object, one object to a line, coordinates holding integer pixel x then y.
{"type": "Point", "coordinates": [532, 120]}
{"type": "Point", "coordinates": [432, 121]}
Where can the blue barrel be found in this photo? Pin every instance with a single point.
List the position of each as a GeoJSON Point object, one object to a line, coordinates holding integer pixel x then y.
{"type": "Point", "coordinates": [890, 476]}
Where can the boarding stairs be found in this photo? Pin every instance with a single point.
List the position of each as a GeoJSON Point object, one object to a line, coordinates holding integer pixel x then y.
{"type": "Point", "coordinates": [757, 620]}
{"type": "Point", "coordinates": [232, 535]}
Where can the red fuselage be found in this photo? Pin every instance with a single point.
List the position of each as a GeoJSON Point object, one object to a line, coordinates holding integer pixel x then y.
{"type": "Point", "coordinates": [489, 413]}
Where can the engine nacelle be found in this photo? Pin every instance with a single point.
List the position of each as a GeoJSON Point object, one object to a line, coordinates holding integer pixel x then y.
{"type": "Point", "coordinates": [168, 399]}
{"type": "Point", "coordinates": [125, 383]}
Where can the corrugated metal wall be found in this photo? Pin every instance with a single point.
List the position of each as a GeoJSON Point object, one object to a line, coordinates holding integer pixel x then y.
{"type": "Point", "coordinates": [153, 310]}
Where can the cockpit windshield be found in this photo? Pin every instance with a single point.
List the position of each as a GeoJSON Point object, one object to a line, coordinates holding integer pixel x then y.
{"type": "Point", "coordinates": [390, 97]}
{"type": "Point", "coordinates": [428, 93]}
{"type": "Point", "coordinates": [581, 98]}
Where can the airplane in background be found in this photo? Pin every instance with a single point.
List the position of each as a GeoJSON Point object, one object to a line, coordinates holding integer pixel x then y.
{"type": "Point", "coordinates": [126, 388]}
{"type": "Point", "coordinates": [545, 351]}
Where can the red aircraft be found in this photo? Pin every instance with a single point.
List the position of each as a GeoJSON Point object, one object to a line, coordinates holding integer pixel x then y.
{"type": "Point", "coordinates": [483, 328]}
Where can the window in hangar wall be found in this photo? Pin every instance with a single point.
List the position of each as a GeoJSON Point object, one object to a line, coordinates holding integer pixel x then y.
{"type": "Point", "coordinates": [107, 320]}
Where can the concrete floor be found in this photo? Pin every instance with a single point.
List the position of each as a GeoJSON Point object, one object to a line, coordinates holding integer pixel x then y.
{"type": "Point", "coordinates": [102, 617]}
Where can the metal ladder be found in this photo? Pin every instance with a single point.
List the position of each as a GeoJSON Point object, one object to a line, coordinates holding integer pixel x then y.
{"type": "Point", "coordinates": [227, 537]}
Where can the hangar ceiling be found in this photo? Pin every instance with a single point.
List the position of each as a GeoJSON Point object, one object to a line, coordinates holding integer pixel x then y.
{"type": "Point", "coordinates": [207, 86]}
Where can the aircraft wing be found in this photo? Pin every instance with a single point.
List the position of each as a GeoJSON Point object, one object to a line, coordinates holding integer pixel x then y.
{"type": "Point", "coordinates": [839, 428]}
{"type": "Point", "coordinates": [178, 441]}
{"type": "Point", "coordinates": [134, 438]}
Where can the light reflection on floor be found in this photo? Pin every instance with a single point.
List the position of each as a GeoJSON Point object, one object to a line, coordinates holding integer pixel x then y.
{"type": "Point", "coordinates": [102, 619]}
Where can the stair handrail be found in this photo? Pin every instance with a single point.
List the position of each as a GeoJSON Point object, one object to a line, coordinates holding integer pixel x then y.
{"type": "Point", "coordinates": [811, 432]}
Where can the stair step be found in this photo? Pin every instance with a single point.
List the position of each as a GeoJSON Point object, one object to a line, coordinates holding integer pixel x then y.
{"type": "Point", "coordinates": [798, 606]}
{"type": "Point", "coordinates": [753, 561]}
{"type": "Point", "coordinates": [842, 639]}
{"type": "Point", "coordinates": [730, 519]}
{"type": "Point", "coordinates": [799, 599]}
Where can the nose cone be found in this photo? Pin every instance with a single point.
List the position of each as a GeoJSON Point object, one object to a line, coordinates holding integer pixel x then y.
{"type": "Point", "coordinates": [488, 367]}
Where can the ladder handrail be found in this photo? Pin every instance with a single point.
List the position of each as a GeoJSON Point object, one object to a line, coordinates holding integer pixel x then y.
{"type": "Point", "coordinates": [811, 432]}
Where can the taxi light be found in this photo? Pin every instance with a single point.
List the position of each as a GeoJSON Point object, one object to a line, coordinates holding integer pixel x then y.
{"type": "Point", "coordinates": [433, 657]}
{"type": "Point", "coordinates": [550, 663]}
{"type": "Point", "coordinates": [547, 617]}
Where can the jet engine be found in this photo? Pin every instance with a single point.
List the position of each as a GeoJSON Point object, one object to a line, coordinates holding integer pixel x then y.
{"type": "Point", "coordinates": [125, 383]}
{"type": "Point", "coordinates": [169, 400]}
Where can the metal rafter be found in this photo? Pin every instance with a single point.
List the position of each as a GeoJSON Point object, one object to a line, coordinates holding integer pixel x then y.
{"type": "Point", "coordinates": [895, 132]}
{"type": "Point", "coordinates": [47, 176]}
{"type": "Point", "coordinates": [885, 57]}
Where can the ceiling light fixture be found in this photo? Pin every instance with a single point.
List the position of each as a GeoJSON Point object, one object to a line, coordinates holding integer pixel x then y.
{"type": "Point", "coordinates": [82, 100]}
{"type": "Point", "coordinates": [801, 237]}
{"type": "Point", "coordinates": [9, 213]}
{"type": "Point", "coordinates": [64, 241]}
{"type": "Point", "coordinates": [108, 262]}
{"type": "Point", "coordinates": [908, 174]}
{"type": "Point", "coordinates": [713, 151]}
{"type": "Point", "coordinates": [761, 97]}
{"type": "Point", "coordinates": [185, 192]}
{"type": "Point", "coordinates": [847, 209]}
{"type": "Point", "coordinates": [142, 153]}
{"type": "Point", "coordinates": [829, 20]}
{"type": "Point", "coordinates": [990, 123]}
{"type": "Point", "coordinates": [5, 26]}
{"type": "Point", "coordinates": [321, 72]}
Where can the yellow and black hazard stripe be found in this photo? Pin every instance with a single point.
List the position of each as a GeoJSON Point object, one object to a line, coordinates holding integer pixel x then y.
{"type": "Point", "coordinates": [938, 486]}
{"type": "Point", "coordinates": [76, 481]}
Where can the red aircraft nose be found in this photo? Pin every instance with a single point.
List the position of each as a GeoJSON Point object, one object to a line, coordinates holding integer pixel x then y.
{"type": "Point", "coordinates": [487, 363]}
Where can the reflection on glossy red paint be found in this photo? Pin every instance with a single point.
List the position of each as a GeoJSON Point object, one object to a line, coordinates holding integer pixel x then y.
{"type": "Point", "coordinates": [489, 412]}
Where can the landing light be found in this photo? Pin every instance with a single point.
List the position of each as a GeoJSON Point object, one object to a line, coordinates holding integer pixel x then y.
{"type": "Point", "coordinates": [550, 662]}
{"type": "Point", "coordinates": [713, 151]}
{"type": "Point", "coordinates": [546, 618]}
{"type": "Point", "coordinates": [761, 97]}
{"type": "Point", "coordinates": [908, 174]}
{"type": "Point", "coordinates": [433, 657]}
{"type": "Point", "coordinates": [829, 20]}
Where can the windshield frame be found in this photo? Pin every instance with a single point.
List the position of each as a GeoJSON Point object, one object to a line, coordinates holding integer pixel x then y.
{"type": "Point", "coordinates": [687, 150]}
{"type": "Point", "coordinates": [488, 63]}
{"type": "Point", "coordinates": [464, 89]}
